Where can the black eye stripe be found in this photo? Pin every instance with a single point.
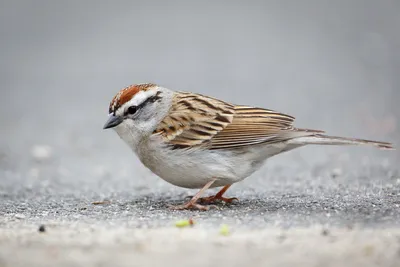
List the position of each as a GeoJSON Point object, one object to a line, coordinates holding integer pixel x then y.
{"type": "Point", "coordinates": [152, 99]}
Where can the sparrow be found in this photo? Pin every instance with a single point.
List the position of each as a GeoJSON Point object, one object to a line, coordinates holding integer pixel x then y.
{"type": "Point", "coordinates": [196, 141]}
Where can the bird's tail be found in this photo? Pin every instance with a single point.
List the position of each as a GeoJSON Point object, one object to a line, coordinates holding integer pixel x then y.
{"type": "Point", "coordinates": [321, 139]}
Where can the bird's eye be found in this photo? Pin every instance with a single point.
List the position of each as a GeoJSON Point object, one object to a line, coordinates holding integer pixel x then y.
{"type": "Point", "coordinates": [132, 110]}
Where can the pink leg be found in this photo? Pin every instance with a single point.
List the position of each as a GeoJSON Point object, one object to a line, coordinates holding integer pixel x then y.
{"type": "Point", "coordinates": [218, 196]}
{"type": "Point", "coordinates": [192, 204]}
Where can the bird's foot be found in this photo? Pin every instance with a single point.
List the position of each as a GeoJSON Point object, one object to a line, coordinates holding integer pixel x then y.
{"type": "Point", "coordinates": [217, 198]}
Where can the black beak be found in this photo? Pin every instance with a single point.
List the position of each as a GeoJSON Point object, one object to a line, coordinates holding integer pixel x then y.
{"type": "Point", "coordinates": [112, 121]}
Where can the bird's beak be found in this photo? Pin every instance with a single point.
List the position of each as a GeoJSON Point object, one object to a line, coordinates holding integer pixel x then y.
{"type": "Point", "coordinates": [112, 121]}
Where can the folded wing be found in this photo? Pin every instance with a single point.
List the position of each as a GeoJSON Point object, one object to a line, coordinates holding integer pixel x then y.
{"type": "Point", "coordinates": [197, 120]}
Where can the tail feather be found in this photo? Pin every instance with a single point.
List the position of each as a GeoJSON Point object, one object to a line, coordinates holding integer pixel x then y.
{"type": "Point", "coordinates": [320, 139]}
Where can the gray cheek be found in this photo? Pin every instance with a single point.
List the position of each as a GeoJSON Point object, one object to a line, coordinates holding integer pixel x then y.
{"type": "Point", "coordinates": [149, 112]}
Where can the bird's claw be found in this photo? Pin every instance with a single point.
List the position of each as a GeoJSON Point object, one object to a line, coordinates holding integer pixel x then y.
{"type": "Point", "coordinates": [189, 205]}
{"type": "Point", "coordinates": [213, 199]}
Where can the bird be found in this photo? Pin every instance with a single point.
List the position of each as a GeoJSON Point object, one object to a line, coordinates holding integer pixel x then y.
{"type": "Point", "coordinates": [195, 141]}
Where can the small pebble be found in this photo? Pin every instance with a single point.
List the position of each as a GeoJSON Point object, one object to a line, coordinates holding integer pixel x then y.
{"type": "Point", "coordinates": [42, 152]}
{"type": "Point", "coordinates": [42, 228]}
{"type": "Point", "coordinates": [19, 216]}
{"type": "Point", "coordinates": [325, 232]}
{"type": "Point", "coordinates": [336, 173]}
{"type": "Point", "coordinates": [103, 202]}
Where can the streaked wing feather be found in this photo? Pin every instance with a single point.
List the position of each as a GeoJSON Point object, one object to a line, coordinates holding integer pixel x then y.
{"type": "Point", "coordinates": [253, 126]}
{"type": "Point", "coordinates": [196, 120]}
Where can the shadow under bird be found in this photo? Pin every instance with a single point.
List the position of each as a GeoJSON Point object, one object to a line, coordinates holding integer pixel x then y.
{"type": "Point", "coordinates": [196, 141]}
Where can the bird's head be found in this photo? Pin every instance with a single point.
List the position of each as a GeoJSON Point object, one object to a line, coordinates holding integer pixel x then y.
{"type": "Point", "coordinates": [136, 110]}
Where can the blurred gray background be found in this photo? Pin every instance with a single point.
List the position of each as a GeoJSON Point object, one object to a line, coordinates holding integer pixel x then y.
{"type": "Point", "coordinates": [332, 64]}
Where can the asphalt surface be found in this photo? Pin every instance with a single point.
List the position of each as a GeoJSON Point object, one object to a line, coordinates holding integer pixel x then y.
{"type": "Point", "coordinates": [330, 193]}
{"type": "Point", "coordinates": [336, 213]}
{"type": "Point", "coordinates": [333, 65]}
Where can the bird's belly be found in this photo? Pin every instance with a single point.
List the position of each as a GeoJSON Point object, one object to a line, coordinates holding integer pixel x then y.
{"type": "Point", "coordinates": [193, 168]}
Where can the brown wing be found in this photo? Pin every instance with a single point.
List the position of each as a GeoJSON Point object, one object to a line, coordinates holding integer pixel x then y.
{"type": "Point", "coordinates": [194, 119]}
{"type": "Point", "coordinates": [253, 126]}
{"type": "Point", "coordinates": [200, 120]}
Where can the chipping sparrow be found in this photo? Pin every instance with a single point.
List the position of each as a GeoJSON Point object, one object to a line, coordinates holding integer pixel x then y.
{"type": "Point", "coordinates": [196, 141]}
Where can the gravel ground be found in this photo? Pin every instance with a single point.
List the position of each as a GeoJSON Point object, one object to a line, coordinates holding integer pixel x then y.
{"type": "Point", "coordinates": [331, 214]}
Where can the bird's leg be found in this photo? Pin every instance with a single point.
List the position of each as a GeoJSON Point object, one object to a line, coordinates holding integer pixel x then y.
{"type": "Point", "coordinates": [192, 204]}
{"type": "Point", "coordinates": [218, 196]}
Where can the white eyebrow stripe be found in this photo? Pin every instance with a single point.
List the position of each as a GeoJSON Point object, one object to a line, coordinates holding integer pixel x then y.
{"type": "Point", "coordinates": [137, 100]}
